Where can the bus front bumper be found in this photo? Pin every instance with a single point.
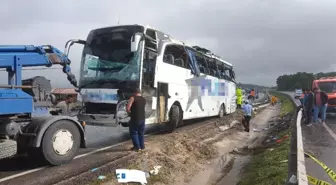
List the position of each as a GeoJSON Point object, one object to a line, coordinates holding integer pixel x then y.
{"type": "Point", "coordinates": [108, 120]}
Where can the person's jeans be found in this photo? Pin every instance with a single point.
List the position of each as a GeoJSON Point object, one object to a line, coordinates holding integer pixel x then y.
{"type": "Point", "coordinates": [320, 109]}
{"type": "Point", "coordinates": [246, 122]}
{"type": "Point", "coordinates": [308, 115]}
{"type": "Point", "coordinates": [137, 132]}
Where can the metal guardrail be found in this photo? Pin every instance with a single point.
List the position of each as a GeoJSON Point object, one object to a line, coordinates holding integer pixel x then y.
{"type": "Point", "coordinates": [296, 159]}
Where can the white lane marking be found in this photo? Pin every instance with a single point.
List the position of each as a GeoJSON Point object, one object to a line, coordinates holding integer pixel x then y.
{"type": "Point", "coordinates": [77, 157]}
{"type": "Point", "coordinates": [20, 174]}
{"type": "Point", "coordinates": [330, 131]}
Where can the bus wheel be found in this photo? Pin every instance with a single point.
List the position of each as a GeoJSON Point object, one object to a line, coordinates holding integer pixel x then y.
{"type": "Point", "coordinates": [174, 118]}
{"type": "Point", "coordinates": [221, 112]}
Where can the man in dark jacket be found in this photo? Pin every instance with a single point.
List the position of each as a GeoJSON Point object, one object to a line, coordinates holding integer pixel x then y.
{"type": "Point", "coordinates": [320, 104]}
{"type": "Point", "coordinates": [308, 105]}
{"type": "Point", "coordinates": [136, 108]}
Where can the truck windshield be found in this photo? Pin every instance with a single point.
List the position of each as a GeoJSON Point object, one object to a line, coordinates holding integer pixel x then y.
{"type": "Point", "coordinates": [107, 59]}
{"type": "Point", "coordinates": [328, 87]}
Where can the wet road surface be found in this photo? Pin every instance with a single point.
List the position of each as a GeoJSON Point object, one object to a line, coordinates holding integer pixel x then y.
{"type": "Point", "coordinates": [320, 140]}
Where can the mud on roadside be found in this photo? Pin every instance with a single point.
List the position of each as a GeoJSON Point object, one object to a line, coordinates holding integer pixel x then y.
{"type": "Point", "coordinates": [182, 154]}
{"type": "Point", "coordinates": [192, 157]}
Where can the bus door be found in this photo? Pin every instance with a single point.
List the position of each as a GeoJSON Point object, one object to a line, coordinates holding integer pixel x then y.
{"type": "Point", "coordinates": [148, 72]}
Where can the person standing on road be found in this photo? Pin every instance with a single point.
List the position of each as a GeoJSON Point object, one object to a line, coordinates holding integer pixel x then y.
{"type": "Point", "coordinates": [247, 108]}
{"type": "Point", "coordinates": [308, 105]}
{"type": "Point", "coordinates": [252, 95]}
{"type": "Point", "coordinates": [304, 92]}
{"type": "Point", "coordinates": [239, 95]}
{"type": "Point", "coordinates": [320, 102]}
{"type": "Point", "coordinates": [136, 108]}
{"type": "Point", "coordinates": [273, 100]}
{"type": "Point", "coordinates": [302, 99]}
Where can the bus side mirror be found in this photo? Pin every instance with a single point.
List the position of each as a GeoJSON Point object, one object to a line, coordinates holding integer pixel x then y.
{"type": "Point", "coordinates": [135, 40]}
{"type": "Point", "coordinates": [70, 43]}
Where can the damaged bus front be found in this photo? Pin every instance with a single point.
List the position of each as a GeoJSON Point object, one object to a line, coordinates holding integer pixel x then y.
{"type": "Point", "coordinates": [110, 71]}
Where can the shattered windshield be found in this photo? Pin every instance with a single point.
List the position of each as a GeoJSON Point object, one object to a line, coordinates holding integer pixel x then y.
{"type": "Point", "coordinates": [328, 87]}
{"type": "Point", "coordinates": [108, 59]}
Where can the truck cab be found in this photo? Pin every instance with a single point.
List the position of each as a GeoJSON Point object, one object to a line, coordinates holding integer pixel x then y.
{"type": "Point", "coordinates": [328, 85]}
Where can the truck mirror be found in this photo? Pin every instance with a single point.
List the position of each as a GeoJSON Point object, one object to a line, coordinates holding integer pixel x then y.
{"type": "Point", "coordinates": [135, 40]}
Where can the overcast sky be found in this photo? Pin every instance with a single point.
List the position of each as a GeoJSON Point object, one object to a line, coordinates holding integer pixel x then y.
{"type": "Point", "coordinates": [262, 38]}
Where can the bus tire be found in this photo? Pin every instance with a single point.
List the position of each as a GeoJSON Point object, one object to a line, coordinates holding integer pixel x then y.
{"type": "Point", "coordinates": [174, 118]}
{"type": "Point", "coordinates": [61, 142]}
{"type": "Point", "coordinates": [221, 112]}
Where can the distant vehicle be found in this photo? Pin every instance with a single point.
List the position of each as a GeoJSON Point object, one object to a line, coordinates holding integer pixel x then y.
{"type": "Point", "coordinates": [297, 93]}
{"type": "Point", "coordinates": [328, 85]}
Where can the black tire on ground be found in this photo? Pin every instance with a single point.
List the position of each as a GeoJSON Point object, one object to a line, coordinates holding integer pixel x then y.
{"type": "Point", "coordinates": [47, 149]}
{"type": "Point", "coordinates": [174, 118]}
{"type": "Point", "coordinates": [8, 148]}
{"type": "Point", "coordinates": [221, 111]}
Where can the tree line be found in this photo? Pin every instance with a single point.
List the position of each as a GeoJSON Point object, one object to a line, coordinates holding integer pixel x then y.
{"type": "Point", "coordinates": [299, 80]}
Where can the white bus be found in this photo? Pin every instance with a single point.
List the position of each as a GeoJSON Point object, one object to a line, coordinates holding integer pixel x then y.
{"type": "Point", "coordinates": [180, 82]}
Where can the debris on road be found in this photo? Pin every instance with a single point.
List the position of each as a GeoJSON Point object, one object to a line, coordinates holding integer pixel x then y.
{"type": "Point", "coordinates": [156, 170]}
{"type": "Point", "coordinates": [271, 158]}
{"type": "Point", "coordinates": [101, 177]}
{"type": "Point", "coordinates": [174, 158]}
{"type": "Point", "coordinates": [257, 130]}
{"type": "Point", "coordinates": [94, 169]}
{"type": "Point", "coordinates": [126, 176]}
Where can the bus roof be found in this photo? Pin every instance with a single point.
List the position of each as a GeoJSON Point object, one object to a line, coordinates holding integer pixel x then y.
{"type": "Point", "coordinates": [166, 38]}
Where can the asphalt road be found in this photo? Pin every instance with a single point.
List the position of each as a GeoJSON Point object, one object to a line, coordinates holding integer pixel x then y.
{"type": "Point", "coordinates": [320, 141]}
{"type": "Point", "coordinates": [21, 171]}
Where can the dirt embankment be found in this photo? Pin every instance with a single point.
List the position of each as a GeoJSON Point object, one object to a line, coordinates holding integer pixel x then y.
{"type": "Point", "coordinates": [200, 154]}
{"type": "Point", "coordinates": [183, 154]}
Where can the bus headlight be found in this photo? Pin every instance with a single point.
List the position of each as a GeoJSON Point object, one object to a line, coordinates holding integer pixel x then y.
{"type": "Point", "coordinates": [122, 105]}
{"type": "Point", "coordinates": [121, 111]}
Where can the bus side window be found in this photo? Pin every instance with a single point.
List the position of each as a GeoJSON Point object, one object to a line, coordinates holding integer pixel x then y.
{"type": "Point", "coordinates": [207, 62]}
{"type": "Point", "coordinates": [201, 62]}
{"type": "Point", "coordinates": [227, 74]}
{"type": "Point", "coordinates": [232, 75]}
{"type": "Point", "coordinates": [175, 55]}
{"type": "Point", "coordinates": [202, 67]}
{"type": "Point", "coordinates": [221, 72]}
{"type": "Point", "coordinates": [218, 71]}
{"type": "Point", "coordinates": [212, 68]}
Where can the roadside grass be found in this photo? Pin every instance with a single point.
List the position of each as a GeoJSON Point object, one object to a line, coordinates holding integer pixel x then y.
{"type": "Point", "coordinates": [270, 166]}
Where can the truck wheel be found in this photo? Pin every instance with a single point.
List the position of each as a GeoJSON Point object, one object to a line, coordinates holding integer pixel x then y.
{"type": "Point", "coordinates": [174, 118]}
{"type": "Point", "coordinates": [61, 142]}
{"type": "Point", "coordinates": [8, 148]}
